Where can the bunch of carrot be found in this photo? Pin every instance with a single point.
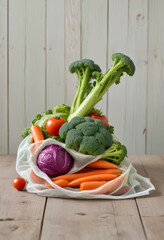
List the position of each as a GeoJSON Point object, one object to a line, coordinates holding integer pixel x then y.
{"type": "Point", "coordinates": [91, 177]}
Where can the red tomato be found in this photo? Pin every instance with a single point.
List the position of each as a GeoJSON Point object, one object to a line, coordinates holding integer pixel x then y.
{"type": "Point", "coordinates": [96, 115]}
{"type": "Point", "coordinates": [53, 125]}
{"type": "Point", "coordinates": [19, 183]}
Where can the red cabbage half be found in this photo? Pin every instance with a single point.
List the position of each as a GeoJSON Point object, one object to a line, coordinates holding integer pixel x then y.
{"type": "Point", "coordinates": [54, 160]}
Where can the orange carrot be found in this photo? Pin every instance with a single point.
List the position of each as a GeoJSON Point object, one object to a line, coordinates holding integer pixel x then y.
{"type": "Point", "coordinates": [37, 133]}
{"type": "Point", "coordinates": [91, 185]}
{"type": "Point", "coordinates": [102, 164]}
{"type": "Point", "coordinates": [35, 178]}
{"type": "Point", "coordinates": [100, 177]}
{"type": "Point", "coordinates": [60, 183]}
{"type": "Point", "coordinates": [73, 176]}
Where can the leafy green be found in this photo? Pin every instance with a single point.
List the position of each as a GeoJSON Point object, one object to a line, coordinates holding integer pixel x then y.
{"type": "Point", "coordinates": [62, 111]}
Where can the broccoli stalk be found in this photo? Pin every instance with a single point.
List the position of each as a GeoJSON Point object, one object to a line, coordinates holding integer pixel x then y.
{"type": "Point", "coordinates": [116, 153]}
{"type": "Point", "coordinates": [83, 68]}
{"type": "Point", "coordinates": [122, 63]}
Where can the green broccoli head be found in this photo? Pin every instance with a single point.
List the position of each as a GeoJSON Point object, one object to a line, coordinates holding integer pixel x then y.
{"type": "Point", "coordinates": [83, 68]}
{"type": "Point", "coordinates": [86, 135]}
{"type": "Point", "coordinates": [26, 132]}
{"type": "Point", "coordinates": [127, 64]}
{"type": "Point", "coordinates": [82, 65]}
{"type": "Point", "coordinates": [116, 153]}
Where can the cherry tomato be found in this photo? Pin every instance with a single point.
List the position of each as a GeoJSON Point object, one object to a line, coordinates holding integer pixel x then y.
{"type": "Point", "coordinates": [103, 118]}
{"type": "Point", "coordinates": [19, 183]}
{"type": "Point", "coordinates": [53, 125]}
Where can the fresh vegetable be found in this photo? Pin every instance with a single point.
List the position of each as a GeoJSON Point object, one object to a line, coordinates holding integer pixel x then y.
{"type": "Point", "coordinates": [103, 118]}
{"type": "Point", "coordinates": [62, 111]}
{"type": "Point", "coordinates": [83, 68]}
{"type": "Point", "coordinates": [53, 125]}
{"type": "Point", "coordinates": [110, 129]}
{"type": "Point", "coordinates": [116, 153]}
{"type": "Point", "coordinates": [86, 135]}
{"type": "Point", "coordinates": [83, 103]}
{"type": "Point", "coordinates": [26, 132]}
{"type": "Point", "coordinates": [19, 183]}
{"type": "Point", "coordinates": [36, 178]}
{"type": "Point", "coordinates": [91, 185]}
{"type": "Point", "coordinates": [37, 133]}
{"type": "Point", "coordinates": [60, 183]}
{"type": "Point", "coordinates": [54, 160]}
{"type": "Point", "coordinates": [101, 164]}
{"type": "Point", "coordinates": [99, 177]}
{"type": "Point", "coordinates": [74, 176]}
{"type": "Point", "coordinates": [40, 121]}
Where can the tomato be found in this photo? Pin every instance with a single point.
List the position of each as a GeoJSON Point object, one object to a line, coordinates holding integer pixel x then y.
{"type": "Point", "coordinates": [103, 118]}
{"type": "Point", "coordinates": [19, 183]}
{"type": "Point", "coordinates": [53, 125]}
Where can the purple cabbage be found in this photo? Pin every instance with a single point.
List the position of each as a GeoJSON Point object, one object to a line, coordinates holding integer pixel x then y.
{"type": "Point", "coordinates": [54, 160]}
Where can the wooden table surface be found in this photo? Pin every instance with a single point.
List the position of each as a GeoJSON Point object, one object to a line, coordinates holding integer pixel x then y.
{"type": "Point", "coordinates": [28, 216]}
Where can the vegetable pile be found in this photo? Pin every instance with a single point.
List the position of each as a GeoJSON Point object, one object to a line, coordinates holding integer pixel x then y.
{"type": "Point", "coordinates": [83, 128]}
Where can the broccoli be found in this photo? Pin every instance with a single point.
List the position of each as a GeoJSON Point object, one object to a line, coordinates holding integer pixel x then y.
{"type": "Point", "coordinates": [83, 106]}
{"type": "Point", "coordinates": [110, 128]}
{"type": "Point", "coordinates": [116, 153]}
{"type": "Point", "coordinates": [83, 68]}
{"type": "Point", "coordinates": [26, 132]}
{"type": "Point", "coordinates": [86, 135]}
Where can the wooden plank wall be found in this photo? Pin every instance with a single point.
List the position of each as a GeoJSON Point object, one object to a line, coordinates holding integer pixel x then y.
{"type": "Point", "coordinates": [38, 41]}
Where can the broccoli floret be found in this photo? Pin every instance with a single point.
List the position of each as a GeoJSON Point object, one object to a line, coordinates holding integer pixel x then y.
{"type": "Point", "coordinates": [83, 68]}
{"type": "Point", "coordinates": [89, 145]}
{"type": "Point", "coordinates": [64, 130]}
{"type": "Point", "coordinates": [26, 132]}
{"type": "Point", "coordinates": [101, 84]}
{"type": "Point", "coordinates": [110, 129]}
{"type": "Point", "coordinates": [86, 135]}
{"type": "Point", "coordinates": [87, 128]}
{"type": "Point", "coordinates": [116, 153]}
{"type": "Point", "coordinates": [74, 138]}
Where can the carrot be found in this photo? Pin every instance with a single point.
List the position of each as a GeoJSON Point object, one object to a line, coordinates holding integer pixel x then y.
{"type": "Point", "coordinates": [91, 185]}
{"type": "Point", "coordinates": [35, 178]}
{"type": "Point", "coordinates": [100, 177]}
{"type": "Point", "coordinates": [102, 164]}
{"type": "Point", "coordinates": [73, 176]}
{"type": "Point", "coordinates": [60, 183]}
{"type": "Point", "coordinates": [37, 133]}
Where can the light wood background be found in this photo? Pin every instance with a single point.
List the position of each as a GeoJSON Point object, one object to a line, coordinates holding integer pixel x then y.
{"type": "Point", "coordinates": [40, 38]}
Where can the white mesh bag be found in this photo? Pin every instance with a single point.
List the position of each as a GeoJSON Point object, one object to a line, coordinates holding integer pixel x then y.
{"type": "Point", "coordinates": [128, 185]}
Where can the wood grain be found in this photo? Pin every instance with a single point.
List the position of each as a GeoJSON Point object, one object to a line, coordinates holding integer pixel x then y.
{"type": "Point", "coordinates": [94, 36]}
{"type": "Point", "coordinates": [152, 208]}
{"type": "Point", "coordinates": [127, 101]}
{"type": "Point", "coordinates": [3, 78]}
{"type": "Point", "coordinates": [55, 75]}
{"type": "Point", "coordinates": [16, 73]}
{"type": "Point", "coordinates": [85, 219]}
{"type": "Point", "coordinates": [155, 118]}
{"type": "Point", "coordinates": [20, 212]}
{"type": "Point", "coordinates": [35, 58]}
{"type": "Point", "coordinates": [72, 45]}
